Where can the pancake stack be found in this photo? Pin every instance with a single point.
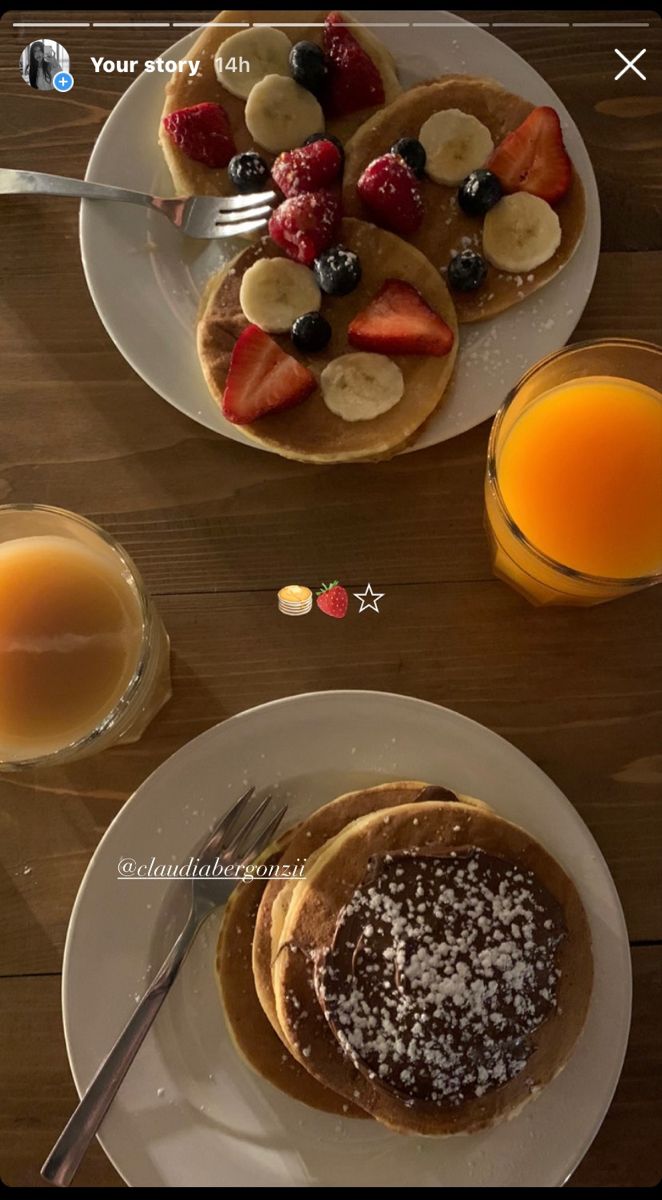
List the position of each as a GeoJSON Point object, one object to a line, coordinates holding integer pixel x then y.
{"type": "Point", "coordinates": [432, 971]}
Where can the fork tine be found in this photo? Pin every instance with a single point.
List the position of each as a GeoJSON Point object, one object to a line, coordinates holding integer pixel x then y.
{"type": "Point", "coordinates": [263, 839]}
{"type": "Point", "coordinates": [228, 820]}
{"type": "Point", "coordinates": [233, 845]}
{"type": "Point", "coordinates": [236, 203]}
{"type": "Point", "coordinates": [233, 230]}
{"type": "Point", "coordinates": [227, 218]}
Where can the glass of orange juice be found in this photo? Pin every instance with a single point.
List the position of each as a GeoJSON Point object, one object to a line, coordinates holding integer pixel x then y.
{"type": "Point", "coordinates": [84, 656]}
{"type": "Point", "coordinates": [573, 489]}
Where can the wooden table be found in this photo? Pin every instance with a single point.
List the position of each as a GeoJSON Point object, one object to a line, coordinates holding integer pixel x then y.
{"type": "Point", "coordinates": [216, 528]}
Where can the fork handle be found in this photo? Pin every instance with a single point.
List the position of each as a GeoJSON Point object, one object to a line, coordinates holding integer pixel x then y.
{"type": "Point", "coordinates": [38, 184]}
{"type": "Point", "coordinates": [69, 1150]}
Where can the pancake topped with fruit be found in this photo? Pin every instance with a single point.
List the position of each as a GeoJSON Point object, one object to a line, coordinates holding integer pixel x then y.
{"type": "Point", "coordinates": [477, 179]}
{"type": "Point", "coordinates": [329, 341]}
{"type": "Point", "coordinates": [267, 89]}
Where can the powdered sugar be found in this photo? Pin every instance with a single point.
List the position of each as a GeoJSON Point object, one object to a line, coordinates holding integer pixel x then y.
{"type": "Point", "coordinates": [433, 986]}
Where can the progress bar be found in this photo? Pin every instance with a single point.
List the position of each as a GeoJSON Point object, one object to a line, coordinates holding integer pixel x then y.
{"type": "Point", "coordinates": [308, 25]}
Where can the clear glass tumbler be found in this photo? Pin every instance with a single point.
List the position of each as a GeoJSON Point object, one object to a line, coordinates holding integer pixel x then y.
{"type": "Point", "coordinates": [515, 559]}
{"type": "Point", "coordinates": [144, 684]}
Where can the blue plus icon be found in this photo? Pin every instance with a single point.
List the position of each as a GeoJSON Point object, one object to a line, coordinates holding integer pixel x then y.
{"type": "Point", "coordinates": [63, 81]}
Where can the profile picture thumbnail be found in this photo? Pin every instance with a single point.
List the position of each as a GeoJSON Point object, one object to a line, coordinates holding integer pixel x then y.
{"type": "Point", "coordinates": [41, 61]}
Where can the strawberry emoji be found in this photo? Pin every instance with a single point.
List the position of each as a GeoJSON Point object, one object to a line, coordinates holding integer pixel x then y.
{"type": "Point", "coordinates": [332, 599]}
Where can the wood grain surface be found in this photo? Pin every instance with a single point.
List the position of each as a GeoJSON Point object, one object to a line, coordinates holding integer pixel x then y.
{"type": "Point", "coordinates": [216, 528]}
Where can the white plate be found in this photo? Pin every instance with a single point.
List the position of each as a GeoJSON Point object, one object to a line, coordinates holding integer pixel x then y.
{"type": "Point", "coordinates": [190, 1113]}
{"type": "Point", "coordinates": [146, 279]}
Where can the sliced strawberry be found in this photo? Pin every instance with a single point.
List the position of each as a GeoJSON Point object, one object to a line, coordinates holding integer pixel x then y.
{"type": "Point", "coordinates": [305, 225]}
{"type": "Point", "coordinates": [354, 80]}
{"type": "Point", "coordinates": [262, 379]}
{"type": "Point", "coordinates": [390, 192]}
{"type": "Point", "coordinates": [333, 600]}
{"type": "Point", "coordinates": [202, 133]}
{"type": "Point", "coordinates": [399, 321]}
{"type": "Point", "coordinates": [307, 169]}
{"type": "Point", "coordinates": [533, 158]}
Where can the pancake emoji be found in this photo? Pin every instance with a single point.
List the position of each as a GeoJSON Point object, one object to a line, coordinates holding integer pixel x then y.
{"type": "Point", "coordinates": [306, 843]}
{"type": "Point", "coordinates": [250, 93]}
{"type": "Point", "coordinates": [481, 183]}
{"type": "Point", "coordinates": [250, 1030]}
{"type": "Point", "coordinates": [435, 967]}
{"type": "Point", "coordinates": [295, 600]}
{"type": "Point", "coordinates": [340, 363]}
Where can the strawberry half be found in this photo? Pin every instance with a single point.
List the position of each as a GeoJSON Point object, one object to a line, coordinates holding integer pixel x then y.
{"type": "Point", "coordinates": [333, 600]}
{"type": "Point", "coordinates": [305, 225]}
{"type": "Point", "coordinates": [390, 192]}
{"type": "Point", "coordinates": [307, 169]}
{"type": "Point", "coordinates": [354, 81]}
{"type": "Point", "coordinates": [202, 133]}
{"type": "Point", "coordinates": [533, 158]}
{"type": "Point", "coordinates": [262, 379]}
{"type": "Point", "coordinates": [398, 321]}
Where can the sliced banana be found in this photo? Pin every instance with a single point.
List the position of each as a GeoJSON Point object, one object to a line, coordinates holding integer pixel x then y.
{"type": "Point", "coordinates": [266, 51]}
{"type": "Point", "coordinates": [360, 387]}
{"type": "Point", "coordinates": [456, 143]}
{"type": "Point", "coordinates": [275, 291]}
{"type": "Point", "coordinates": [280, 114]}
{"type": "Point", "coordinates": [520, 233]}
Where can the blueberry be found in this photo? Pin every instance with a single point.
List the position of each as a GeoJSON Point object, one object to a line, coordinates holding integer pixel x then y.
{"type": "Point", "coordinates": [310, 332]}
{"type": "Point", "coordinates": [479, 193]}
{"type": "Point", "coordinates": [337, 271]}
{"type": "Point", "coordinates": [413, 153]}
{"type": "Point", "coordinates": [327, 137]}
{"type": "Point", "coordinates": [308, 67]}
{"type": "Point", "coordinates": [248, 172]}
{"type": "Point", "coordinates": [466, 271]}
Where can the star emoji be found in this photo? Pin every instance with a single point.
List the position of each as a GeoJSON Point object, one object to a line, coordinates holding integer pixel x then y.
{"type": "Point", "coordinates": [368, 599]}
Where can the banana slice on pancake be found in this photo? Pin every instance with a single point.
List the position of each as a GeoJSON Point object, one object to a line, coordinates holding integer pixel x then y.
{"type": "Point", "coordinates": [521, 233]}
{"type": "Point", "coordinates": [280, 114]}
{"type": "Point", "coordinates": [275, 291]}
{"type": "Point", "coordinates": [455, 143]}
{"type": "Point", "coordinates": [362, 386]}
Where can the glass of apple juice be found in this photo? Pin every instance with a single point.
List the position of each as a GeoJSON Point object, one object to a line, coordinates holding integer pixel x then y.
{"type": "Point", "coordinates": [84, 655]}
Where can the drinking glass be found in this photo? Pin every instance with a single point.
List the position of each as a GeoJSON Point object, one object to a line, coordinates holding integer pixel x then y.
{"type": "Point", "coordinates": [149, 687]}
{"type": "Point", "coordinates": [515, 559]}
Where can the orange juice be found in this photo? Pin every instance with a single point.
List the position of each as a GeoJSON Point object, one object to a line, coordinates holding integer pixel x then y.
{"type": "Point", "coordinates": [580, 474]}
{"type": "Point", "coordinates": [573, 489]}
{"type": "Point", "coordinates": [71, 631]}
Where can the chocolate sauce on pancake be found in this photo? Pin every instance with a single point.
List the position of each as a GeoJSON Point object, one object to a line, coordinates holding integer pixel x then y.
{"type": "Point", "coordinates": [441, 969]}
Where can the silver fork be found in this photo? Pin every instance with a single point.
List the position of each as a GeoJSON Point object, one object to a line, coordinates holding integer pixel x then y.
{"type": "Point", "coordinates": [197, 216]}
{"type": "Point", "coordinates": [238, 837]}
